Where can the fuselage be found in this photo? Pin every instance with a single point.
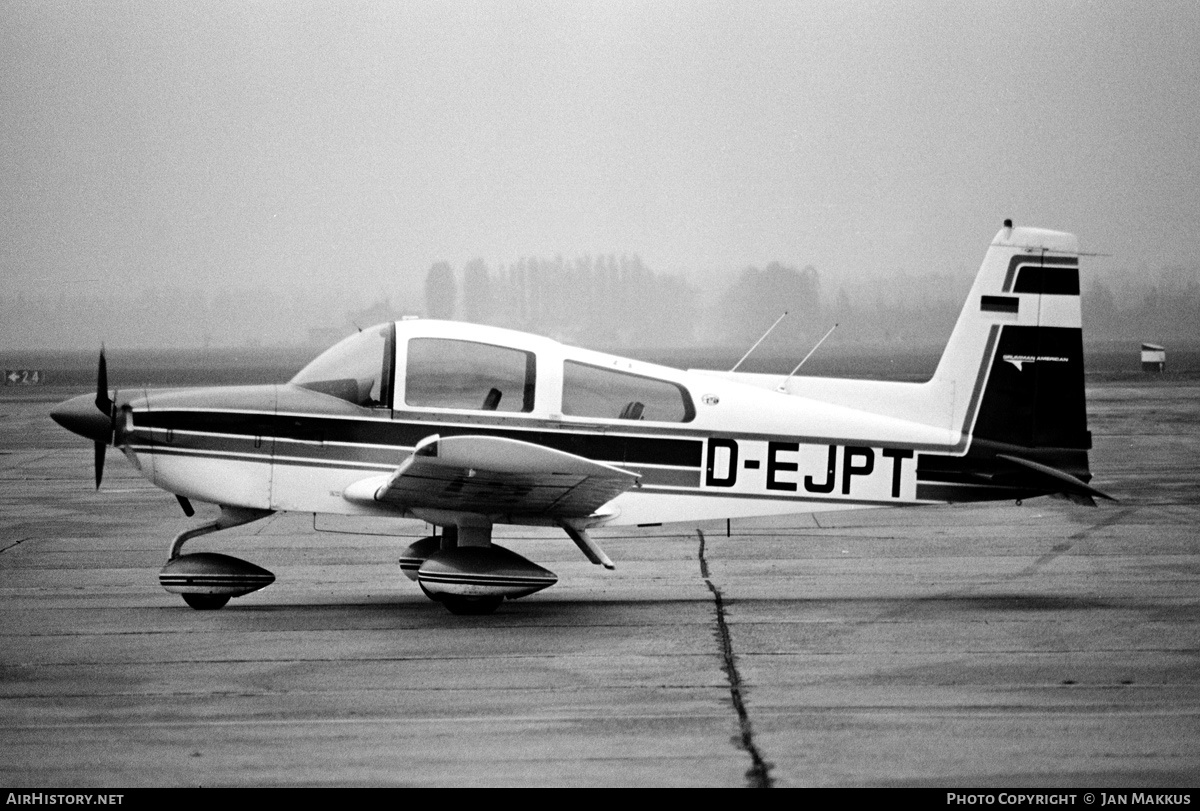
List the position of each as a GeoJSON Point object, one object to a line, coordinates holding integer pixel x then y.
{"type": "Point", "coordinates": [705, 447]}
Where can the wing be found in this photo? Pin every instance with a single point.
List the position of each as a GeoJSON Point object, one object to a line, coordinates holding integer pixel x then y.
{"type": "Point", "coordinates": [496, 476]}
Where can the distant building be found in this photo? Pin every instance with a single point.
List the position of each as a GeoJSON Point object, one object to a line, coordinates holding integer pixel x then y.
{"type": "Point", "coordinates": [1154, 358]}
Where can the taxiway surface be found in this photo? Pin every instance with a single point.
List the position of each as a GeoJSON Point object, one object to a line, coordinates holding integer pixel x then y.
{"type": "Point", "coordinates": [1039, 645]}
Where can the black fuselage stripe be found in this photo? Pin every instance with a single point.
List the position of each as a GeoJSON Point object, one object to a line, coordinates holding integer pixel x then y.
{"type": "Point", "coordinates": [317, 429]}
{"type": "Point", "coordinates": [666, 477]}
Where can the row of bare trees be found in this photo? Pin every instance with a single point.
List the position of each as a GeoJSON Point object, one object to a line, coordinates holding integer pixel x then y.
{"type": "Point", "coordinates": [617, 301]}
{"type": "Point", "coordinates": [606, 300]}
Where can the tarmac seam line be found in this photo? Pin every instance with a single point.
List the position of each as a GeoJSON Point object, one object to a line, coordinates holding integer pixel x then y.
{"type": "Point", "coordinates": [16, 543]}
{"type": "Point", "coordinates": [759, 773]}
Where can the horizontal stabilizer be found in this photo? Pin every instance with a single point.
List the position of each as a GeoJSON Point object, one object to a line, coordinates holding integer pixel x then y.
{"type": "Point", "coordinates": [1061, 481]}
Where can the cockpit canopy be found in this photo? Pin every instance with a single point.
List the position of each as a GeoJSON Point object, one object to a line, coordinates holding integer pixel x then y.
{"type": "Point", "coordinates": [466, 367]}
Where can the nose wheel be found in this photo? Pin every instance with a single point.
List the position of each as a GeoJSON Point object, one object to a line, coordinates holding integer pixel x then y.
{"type": "Point", "coordinates": [471, 606]}
{"type": "Point", "coordinates": [206, 602]}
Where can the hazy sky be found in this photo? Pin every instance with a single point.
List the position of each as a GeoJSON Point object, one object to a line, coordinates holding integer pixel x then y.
{"type": "Point", "coordinates": [305, 143]}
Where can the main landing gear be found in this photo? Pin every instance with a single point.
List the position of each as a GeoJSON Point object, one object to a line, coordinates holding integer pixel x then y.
{"type": "Point", "coordinates": [464, 571]}
{"type": "Point", "coordinates": [207, 580]}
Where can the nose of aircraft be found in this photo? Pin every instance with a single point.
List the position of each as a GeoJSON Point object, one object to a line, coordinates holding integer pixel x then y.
{"type": "Point", "coordinates": [80, 415]}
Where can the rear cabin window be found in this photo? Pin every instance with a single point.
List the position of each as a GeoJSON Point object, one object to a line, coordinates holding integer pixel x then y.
{"type": "Point", "coordinates": [593, 391]}
{"type": "Point", "coordinates": [445, 373]}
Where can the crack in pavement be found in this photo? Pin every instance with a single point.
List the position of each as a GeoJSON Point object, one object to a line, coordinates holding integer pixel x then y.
{"type": "Point", "coordinates": [759, 774]}
{"type": "Point", "coordinates": [16, 543]}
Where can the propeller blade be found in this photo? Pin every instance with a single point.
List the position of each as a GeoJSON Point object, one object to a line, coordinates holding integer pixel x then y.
{"type": "Point", "coordinates": [101, 447]}
{"type": "Point", "coordinates": [103, 402]}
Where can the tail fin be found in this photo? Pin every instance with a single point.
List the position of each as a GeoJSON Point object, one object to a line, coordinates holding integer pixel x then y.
{"type": "Point", "coordinates": [1015, 365]}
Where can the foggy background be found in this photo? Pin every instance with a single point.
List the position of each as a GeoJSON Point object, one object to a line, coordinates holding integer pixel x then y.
{"type": "Point", "coordinates": [617, 174]}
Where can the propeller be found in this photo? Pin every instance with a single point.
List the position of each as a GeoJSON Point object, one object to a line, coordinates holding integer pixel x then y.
{"type": "Point", "coordinates": [95, 419]}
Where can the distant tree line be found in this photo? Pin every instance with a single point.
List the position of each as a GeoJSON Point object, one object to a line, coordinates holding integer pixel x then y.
{"type": "Point", "coordinates": [757, 298]}
{"type": "Point", "coordinates": [1167, 309]}
{"type": "Point", "coordinates": [618, 301]}
{"type": "Point", "coordinates": [607, 301]}
{"type": "Point", "coordinates": [604, 300]}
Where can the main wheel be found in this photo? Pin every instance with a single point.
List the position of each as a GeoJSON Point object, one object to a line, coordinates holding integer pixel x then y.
{"type": "Point", "coordinates": [471, 606]}
{"type": "Point", "coordinates": [206, 602]}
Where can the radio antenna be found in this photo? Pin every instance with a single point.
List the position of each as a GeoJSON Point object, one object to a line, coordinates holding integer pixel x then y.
{"type": "Point", "coordinates": [760, 340]}
{"type": "Point", "coordinates": [783, 385]}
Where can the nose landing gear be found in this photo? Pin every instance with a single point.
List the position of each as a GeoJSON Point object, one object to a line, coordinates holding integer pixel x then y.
{"type": "Point", "coordinates": [207, 580]}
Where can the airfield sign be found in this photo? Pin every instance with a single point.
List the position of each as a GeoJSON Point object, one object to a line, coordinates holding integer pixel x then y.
{"type": "Point", "coordinates": [24, 377]}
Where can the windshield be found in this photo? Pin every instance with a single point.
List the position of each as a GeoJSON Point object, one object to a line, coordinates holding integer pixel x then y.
{"type": "Point", "coordinates": [358, 369]}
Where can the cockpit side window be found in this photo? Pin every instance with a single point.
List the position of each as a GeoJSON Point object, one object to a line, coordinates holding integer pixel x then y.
{"type": "Point", "coordinates": [360, 369]}
{"type": "Point", "coordinates": [593, 391]}
{"type": "Point", "coordinates": [446, 373]}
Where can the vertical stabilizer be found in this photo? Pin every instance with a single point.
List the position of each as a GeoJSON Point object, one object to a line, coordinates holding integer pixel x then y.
{"type": "Point", "coordinates": [1015, 358]}
{"type": "Point", "coordinates": [1015, 365]}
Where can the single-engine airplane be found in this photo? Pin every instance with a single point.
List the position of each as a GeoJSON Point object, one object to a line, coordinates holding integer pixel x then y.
{"type": "Point", "coordinates": [467, 426]}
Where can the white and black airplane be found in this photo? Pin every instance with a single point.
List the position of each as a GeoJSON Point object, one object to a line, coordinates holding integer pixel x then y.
{"type": "Point", "coordinates": [467, 426]}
